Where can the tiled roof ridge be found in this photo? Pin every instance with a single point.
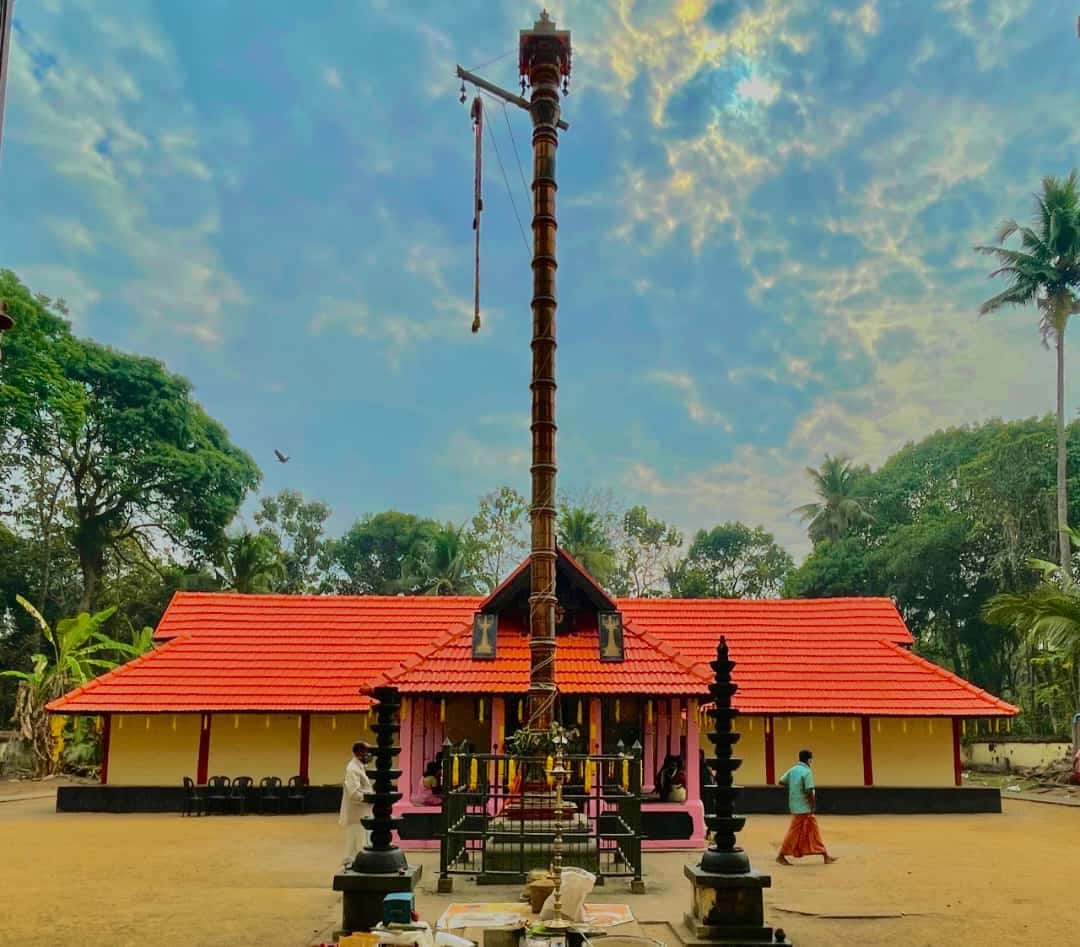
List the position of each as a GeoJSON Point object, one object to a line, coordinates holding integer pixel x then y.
{"type": "Point", "coordinates": [293, 597]}
{"type": "Point", "coordinates": [94, 683]}
{"type": "Point", "coordinates": [388, 678]}
{"type": "Point", "coordinates": [695, 668]}
{"type": "Point", "coordinates": [763, 601]}
{"type": "Point", "coordinates": [952, 678]}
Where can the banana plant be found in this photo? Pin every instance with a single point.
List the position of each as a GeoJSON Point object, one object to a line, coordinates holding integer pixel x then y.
{"type": "Point", "coordinates": [80, 652]}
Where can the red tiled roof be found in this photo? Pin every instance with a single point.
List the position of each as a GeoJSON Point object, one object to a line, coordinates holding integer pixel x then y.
{"type": "Point", "coordinates": [270, 652]}
{"type": "Point", "coordinates": [650, 666]}
{"type": "Point", "coordinates": [265, 653]}
{"type": "Point", "coordinates": [820, 656]}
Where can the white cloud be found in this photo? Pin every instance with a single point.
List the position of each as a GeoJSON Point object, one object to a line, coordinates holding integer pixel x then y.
{"type": "Point", "coordinates": [758, 89]}
{"type": "Point", "coordinates": [88, 119]}
{"type": "Point", "coordinates": [696, 408]}
{"type": "Point", "coordinates": [332, 77]}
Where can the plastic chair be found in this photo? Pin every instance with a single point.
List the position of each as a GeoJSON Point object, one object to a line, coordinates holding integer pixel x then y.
{"type": "Point", "coordinates": [218, 794]}
{"type": "Point", "coordinates": [194, 804]}
{"type": "Point", "coordinates": [270, 794]}
{"type": "Point", "coordinates": [296, 793]}
{"type": "Point", "coordinates": [241, 789]}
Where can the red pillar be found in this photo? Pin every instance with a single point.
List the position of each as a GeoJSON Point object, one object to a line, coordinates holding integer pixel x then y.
{"type": "Point", "coordinates": [106, 733]}
{"type": "Point", "coordinates": [305, 744]}
{"type": "Point", "coordinates": [867, 754]}
{"type": "Point", "coordinates": [958, 769]}
{"type": "Point", "coordinates": [770, 752]}
{"type": "Point", "coordinates": [204, 750]}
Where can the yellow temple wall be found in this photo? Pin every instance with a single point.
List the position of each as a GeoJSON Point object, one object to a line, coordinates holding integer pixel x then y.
{"type": "Point", "coordinates": [914, 751]}
{"type": "Point", "coordinates": [160, 754]}
{"type": "Point", "coordinates": [255, 745]}
{"type": "Point", "coordinates": [836, 743]}
{"type": "Point", "coordinates": [750, 748]}
{"type": "Point", "coordinates": [330, 745]}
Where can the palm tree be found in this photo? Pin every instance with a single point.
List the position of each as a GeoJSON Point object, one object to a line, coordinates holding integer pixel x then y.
{"type": "Point", "coordinates": [1046, 272]}
{"type": "Point", "coordinates": [841, 506]}
{"type": "Point", "coordinates": [581, 533]}
{"type": "Point", "coordinates": [445, 564]}
{"type": "Point", "coordinates": [250, 563]}
{"type": "Point", "coordinates": [80, 651]}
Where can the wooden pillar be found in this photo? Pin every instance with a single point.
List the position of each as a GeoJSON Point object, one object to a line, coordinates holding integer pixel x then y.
{"type": "Point", "coordinates": [305, 745]}
{"type": "Point", "coordinates": [770, 752]}
{"type": "Point", "coordinates": [867, 754]}
{"type": "Point", "coordinates": [596, 725]}
{"type": "Point", "coordinates": [204, 750]}
{"type": "Point", "coordinates": [106, 733]}
{"type": "Point", "coordinates": [498, 724]}
{"type": "Point", "coordinates": [675, 730]}
{"type": "Point", "coordinates": [693, 760]}
{"type": "Point", "coordinates": [496, 775]}
{"type": "Point", "coordinates": [958, 769]}
{"type": "Point", "coordinates": [649, 731]}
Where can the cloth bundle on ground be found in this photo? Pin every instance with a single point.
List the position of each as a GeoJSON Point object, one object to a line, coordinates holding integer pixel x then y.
{"type": "Point", "coordinates": [574, 889]}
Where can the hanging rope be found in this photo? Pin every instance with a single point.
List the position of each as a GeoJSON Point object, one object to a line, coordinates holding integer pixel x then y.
{"type": "Point", "coordinates": [477, 113]}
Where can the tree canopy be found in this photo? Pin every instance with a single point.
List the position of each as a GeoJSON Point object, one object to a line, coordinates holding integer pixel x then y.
{"type": "Point", "coordinates": [131, 457]}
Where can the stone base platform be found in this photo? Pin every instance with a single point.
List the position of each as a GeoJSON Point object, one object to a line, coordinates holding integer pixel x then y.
{"type": "Point", "coordinates": [362, 895]}
{"type": "Point", "coordinates": [728, 910]}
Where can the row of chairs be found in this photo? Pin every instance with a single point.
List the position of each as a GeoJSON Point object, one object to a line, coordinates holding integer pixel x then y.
{"type": "Point", "coordinates": [224, 795]}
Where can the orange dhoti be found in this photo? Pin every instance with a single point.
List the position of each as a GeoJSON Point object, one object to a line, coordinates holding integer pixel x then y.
{"type": "Point", "coordinates": [803, 837]}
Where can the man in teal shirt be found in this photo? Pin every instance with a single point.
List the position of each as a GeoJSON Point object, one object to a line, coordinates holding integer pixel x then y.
{"type": "Point", "coordinates": [803, 836]}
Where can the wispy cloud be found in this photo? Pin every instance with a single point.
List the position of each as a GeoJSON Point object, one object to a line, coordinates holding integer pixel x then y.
{"type": "Point", "coordinates": [696, 408]}
{"type": "Point", "coordinates": [85, 111]}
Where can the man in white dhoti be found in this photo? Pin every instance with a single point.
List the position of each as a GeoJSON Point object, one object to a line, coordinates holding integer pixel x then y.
{"type": "Point", "coordinates": [353, 806]}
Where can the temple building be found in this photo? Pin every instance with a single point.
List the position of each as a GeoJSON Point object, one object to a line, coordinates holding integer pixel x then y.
{"type": "Point", "coordinates": [274, 685]}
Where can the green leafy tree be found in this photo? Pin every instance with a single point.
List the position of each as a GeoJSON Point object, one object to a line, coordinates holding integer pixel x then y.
{"type": "Point", "coordinates": [581, 533]}
{"type": "Point", "coordinates": [79, 651]}
{"type": "Point", "coordinates": [447, 563]}
{"type": "Point", "coordinates": [731, 560]}
{"type": "Point", "coordinates": [1047, 618]}
{"type": "Point", "coordinates": [250, 563]}
{"type": "Point", "coordinates": [369, 558]}
{"type": "Point", "coordinates": [841, 506]}
{"type": "Point", "coordinates": [138, 459]}
{"type": "Point", "coordinates": [297, 527]}
{"type": "Point", "coordinates": [501, 529]}
{"type": "Point", "coordinates": [1045, 273]}
{"type": "Point", "coordinates": [956, 518]}
{"type": "Point", "coordinates": [648, 552]}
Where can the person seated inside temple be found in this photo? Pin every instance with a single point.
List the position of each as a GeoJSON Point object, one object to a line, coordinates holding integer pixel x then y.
{"type": "Point", "coordinates": [671, 780]}
{"type": "Point", "coordinates": [432, 782]}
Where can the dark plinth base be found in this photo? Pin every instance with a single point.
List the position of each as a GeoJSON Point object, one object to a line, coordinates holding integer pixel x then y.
{"type": "Point", "coordinates": [728, 909]}
{"type": "Point", "coordinates": [735, 862]}
{"type": "Point", "coordinates": [387, 862]}
{"type": "Point", "coordinates": [362, 895]}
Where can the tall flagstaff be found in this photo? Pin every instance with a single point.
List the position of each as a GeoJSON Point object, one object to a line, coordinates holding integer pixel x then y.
{"type": "Point", "coordinates": [544, 61]}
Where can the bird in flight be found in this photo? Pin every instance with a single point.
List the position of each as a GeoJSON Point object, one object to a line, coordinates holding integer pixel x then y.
{"type": "Point", "coordinates": [280, 456]}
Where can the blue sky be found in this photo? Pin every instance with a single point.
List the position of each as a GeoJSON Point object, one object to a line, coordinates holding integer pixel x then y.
{"type": "Point", "coordinates": [766, 216]}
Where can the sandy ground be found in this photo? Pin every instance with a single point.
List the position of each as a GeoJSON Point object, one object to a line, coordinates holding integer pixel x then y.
{"type": "Point", "coordinates": [117, 880]}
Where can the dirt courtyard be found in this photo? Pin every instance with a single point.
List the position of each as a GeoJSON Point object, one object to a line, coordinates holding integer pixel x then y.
{"type": "Point", "coordinates": [117, 880]}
